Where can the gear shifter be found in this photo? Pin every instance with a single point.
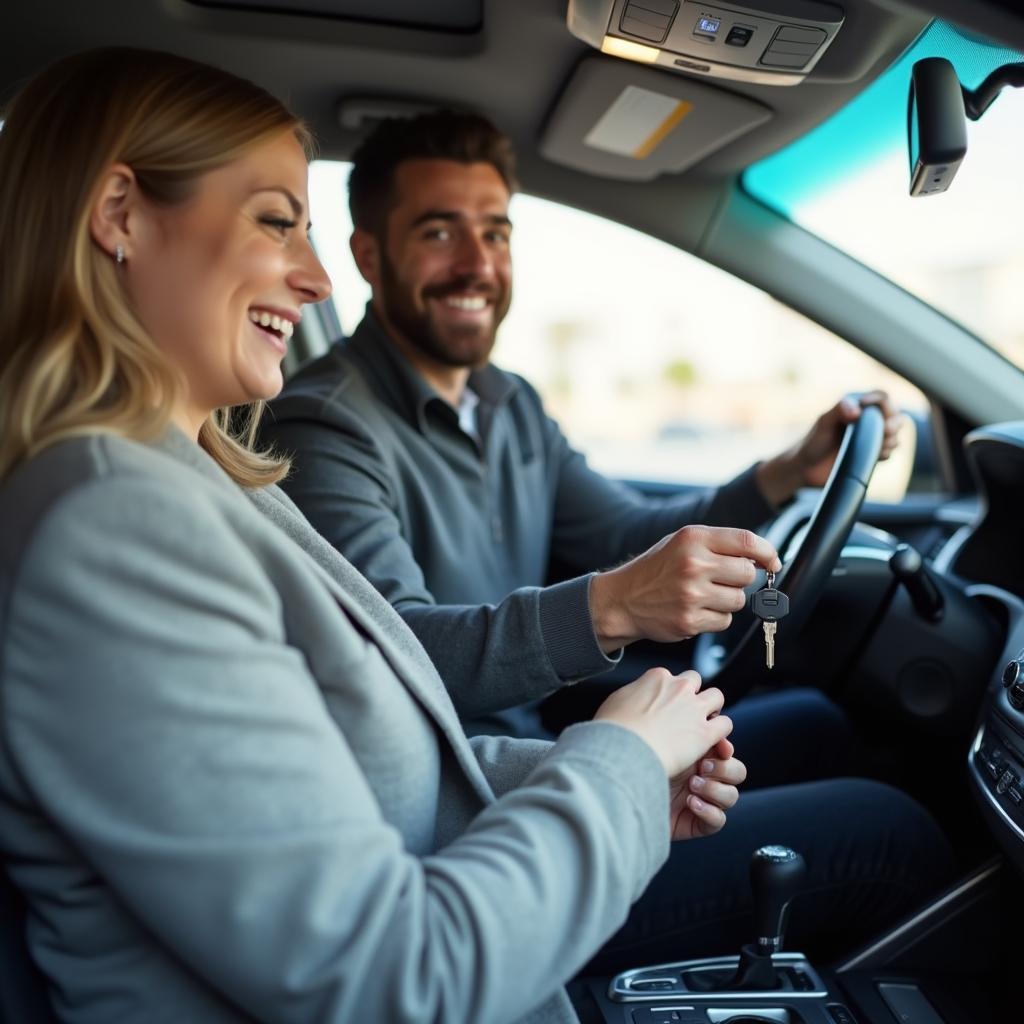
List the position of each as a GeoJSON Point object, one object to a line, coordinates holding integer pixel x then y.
{"type": "Point", "coordinates": [775, 876]}
{"type": "Point", "coordinates": [761, 969]}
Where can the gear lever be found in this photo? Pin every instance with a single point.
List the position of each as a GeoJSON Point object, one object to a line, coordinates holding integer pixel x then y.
{"type": "Point", "coordinates": [775, 876]}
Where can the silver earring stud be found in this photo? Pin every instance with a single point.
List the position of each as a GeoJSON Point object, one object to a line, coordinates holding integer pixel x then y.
{"type": "Point", "coordinates": [119, 254]}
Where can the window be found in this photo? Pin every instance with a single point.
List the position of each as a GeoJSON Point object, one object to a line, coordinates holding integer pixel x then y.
{"type": "Point", "coordinates": [847, 182]}
{"type": "Point", "coordinates": [657, 365]}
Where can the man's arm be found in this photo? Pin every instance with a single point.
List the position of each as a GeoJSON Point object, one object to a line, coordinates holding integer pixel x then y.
{"type": "Point", "coordinates": [534, 640]}
{"type": "Point", "coordinates": [491, 656]}
{"type": "Point", "coordinates": [495, 656]}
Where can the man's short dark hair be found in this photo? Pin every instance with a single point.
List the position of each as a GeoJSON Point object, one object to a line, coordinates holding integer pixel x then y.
{"type": "Point", "coordinates": [444, 135]}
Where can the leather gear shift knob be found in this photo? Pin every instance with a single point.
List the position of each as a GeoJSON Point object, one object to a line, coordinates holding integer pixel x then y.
{"type": "Point", "coordinates": [776, 873]}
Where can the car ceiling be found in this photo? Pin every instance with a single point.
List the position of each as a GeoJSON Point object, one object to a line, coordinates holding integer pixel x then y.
{"type": "Point", "coordinates": [512, 67]}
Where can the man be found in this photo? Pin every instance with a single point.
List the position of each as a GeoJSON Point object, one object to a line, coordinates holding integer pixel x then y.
{"type": "Point", "coordinates": [442, 480]}
{"type": "Point", "coordinates": [440, 477]}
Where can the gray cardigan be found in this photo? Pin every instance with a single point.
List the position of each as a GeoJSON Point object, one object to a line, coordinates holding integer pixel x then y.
{"type": "Point", "coordinates": [232, 786]}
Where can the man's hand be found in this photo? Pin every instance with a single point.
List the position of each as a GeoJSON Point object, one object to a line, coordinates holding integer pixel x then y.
{"type": "Point", "coordinates": [809, 462]}
{"type": "Point", "coordinates": [700, 796]}
{"type": "Point", "coordinates": [690, 582]}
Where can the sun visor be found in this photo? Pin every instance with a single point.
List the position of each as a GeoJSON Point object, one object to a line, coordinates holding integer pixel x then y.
{"type": "Point", "coordinates": [617, 120]}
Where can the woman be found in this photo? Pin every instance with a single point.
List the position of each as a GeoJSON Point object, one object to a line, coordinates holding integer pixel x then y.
{"type": "Point", "coordinates": [232, 785]}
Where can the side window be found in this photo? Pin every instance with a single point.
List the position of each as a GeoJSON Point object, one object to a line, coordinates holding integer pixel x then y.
{"type": "Point", "coordinates": [657, 365]}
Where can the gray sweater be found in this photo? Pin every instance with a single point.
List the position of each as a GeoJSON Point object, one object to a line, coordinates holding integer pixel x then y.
{"type": "Point", "coordinates": [233, 788]}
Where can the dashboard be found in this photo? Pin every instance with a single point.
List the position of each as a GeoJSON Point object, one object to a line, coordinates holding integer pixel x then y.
{"type": "Point", "coordinates": [991, 552]}
{"type": "Point", "coordinates": [992, 549]}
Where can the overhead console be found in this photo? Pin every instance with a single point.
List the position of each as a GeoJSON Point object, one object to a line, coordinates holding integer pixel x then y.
{"type": "Point", "coordinates": [773, 42]}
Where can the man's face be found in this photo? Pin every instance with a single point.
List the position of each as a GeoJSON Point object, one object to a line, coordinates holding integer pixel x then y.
{"type": "Point", "coordinates": [445, 274]}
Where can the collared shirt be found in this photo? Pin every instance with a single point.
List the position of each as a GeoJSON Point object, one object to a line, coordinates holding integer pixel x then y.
{"type": "Point", "coordinates": [467, 414]}
{"type": "Point", "coordinates": [460, 534]}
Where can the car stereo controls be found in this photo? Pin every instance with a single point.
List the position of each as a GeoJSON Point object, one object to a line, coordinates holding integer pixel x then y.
{"type": "Point", "coordinates": [1002, 773]}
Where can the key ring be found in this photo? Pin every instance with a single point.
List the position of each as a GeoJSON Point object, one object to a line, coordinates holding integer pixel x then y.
{"type": "Point", "coordinates": [770, 584]}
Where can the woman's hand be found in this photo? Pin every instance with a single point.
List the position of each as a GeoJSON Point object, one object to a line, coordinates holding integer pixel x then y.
{"type": "Point", "coordinates": [671, 713]}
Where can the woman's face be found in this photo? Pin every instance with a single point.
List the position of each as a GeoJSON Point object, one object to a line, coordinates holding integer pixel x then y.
{"type": "Point", "coordinates": [219, 282]}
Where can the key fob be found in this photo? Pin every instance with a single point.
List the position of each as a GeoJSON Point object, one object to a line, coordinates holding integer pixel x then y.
{"type": "Point", "coordinates": [769, 605]}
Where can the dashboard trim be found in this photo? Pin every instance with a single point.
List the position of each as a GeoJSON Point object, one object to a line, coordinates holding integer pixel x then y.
{"type": "Point", "coordinates": [975, 880]}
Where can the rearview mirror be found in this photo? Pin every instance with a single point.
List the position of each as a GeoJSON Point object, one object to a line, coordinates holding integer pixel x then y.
{"type": "Point", "coordinates": [936, 126]}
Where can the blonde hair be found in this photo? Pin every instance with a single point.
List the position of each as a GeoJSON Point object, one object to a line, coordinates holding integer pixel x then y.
{"type": "Point", "coordinates": [73, 357]}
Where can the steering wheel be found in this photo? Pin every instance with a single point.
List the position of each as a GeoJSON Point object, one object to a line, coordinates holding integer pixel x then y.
{"type": "Point", "coordinates": [734, 660]}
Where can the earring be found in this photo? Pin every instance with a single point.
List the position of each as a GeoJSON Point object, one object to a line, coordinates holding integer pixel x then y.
{"type": "Point", "coordinates": [119, 254]}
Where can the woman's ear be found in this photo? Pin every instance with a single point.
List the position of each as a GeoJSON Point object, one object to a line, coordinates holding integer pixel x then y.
{"type": "Point", "coordinates": [366, 253]}
{"type": "Point", "coordinates": [110, 221]}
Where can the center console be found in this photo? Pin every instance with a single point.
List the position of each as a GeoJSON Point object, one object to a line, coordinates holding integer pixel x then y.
{"type": "Point", "coordinates": [761, 984]}
{"type": "Point", "coordinates": [952, 962]}
{"type": "Point", "coordinates": [699, 992]}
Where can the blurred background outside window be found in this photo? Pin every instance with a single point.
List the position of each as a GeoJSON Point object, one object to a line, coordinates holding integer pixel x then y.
{"type": "Point", "coordinates": [657, 365]}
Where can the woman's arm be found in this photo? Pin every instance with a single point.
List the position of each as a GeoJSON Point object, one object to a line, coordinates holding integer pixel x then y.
{"type": "Point", "coordinates": [165, 725]}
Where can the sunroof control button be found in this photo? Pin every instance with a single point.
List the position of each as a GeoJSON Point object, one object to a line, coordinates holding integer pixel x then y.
{"type": "Point", "coordinates": [792, 34]}
{"type": "Point", "coordinates": [647, 19]}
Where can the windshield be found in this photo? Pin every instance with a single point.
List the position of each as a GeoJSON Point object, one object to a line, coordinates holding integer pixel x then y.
{"type": "Point", "coordinates": [960, 251]}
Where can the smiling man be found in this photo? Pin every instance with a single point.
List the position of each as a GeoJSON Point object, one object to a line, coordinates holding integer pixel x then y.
{"type": "Point", "coordinates": [443, 273]}
{"type": "Point", "coordinates": [441, 477]}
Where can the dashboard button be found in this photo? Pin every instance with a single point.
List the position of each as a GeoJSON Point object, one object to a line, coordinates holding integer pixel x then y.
{"type": "Point", "coordinates": [1015, 795]}
{"type": "Point", "coordinates": [1006, 780]}
{"type": "Point", "coordinates": [802, 981]}
{"type": "Point", "coordinates": [993, 766]}
{"type": "Point", "coordinates": [658, 1015]}
{"type": "Point", "coordinates": [840, 1014]}
{"type": "Point", "coordinates": [739, 35]}
{"type": "Point", "coordinates": [797, 34]}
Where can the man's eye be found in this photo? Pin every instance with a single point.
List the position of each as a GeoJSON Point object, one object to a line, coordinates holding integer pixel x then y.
{"type": "Point", "coordinates": [498, 237]}
{"type": "Point", "coordinates": [437, 234]}
{"type": "Point", "coordinates": [280, 224]}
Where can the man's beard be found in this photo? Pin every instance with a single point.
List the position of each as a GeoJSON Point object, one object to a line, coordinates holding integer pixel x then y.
{"type": "Point", "coordinates": [467, 346]}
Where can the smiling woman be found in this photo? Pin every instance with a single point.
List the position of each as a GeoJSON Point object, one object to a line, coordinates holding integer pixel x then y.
{"type": "Point", "coordinates": [215, 278]}
{"type": "Point", "coordinates": [183, 171]}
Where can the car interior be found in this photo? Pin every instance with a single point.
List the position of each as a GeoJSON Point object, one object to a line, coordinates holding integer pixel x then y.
{"type": "Point", "coordinates": [710, 128]}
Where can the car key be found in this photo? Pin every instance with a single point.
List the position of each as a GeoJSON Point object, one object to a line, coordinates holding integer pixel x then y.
{"type": "Point", "coordinates": [769, 605]}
